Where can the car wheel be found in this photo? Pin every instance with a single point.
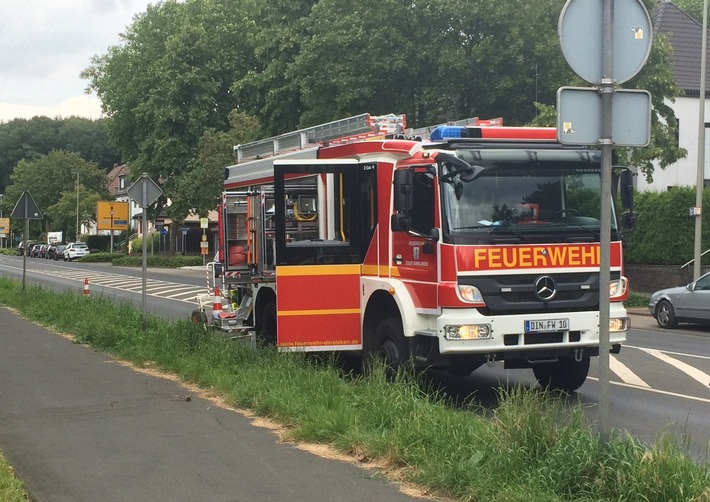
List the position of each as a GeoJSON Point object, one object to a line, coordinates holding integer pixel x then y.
{"type": "Point", "coordinates": [665, 315]}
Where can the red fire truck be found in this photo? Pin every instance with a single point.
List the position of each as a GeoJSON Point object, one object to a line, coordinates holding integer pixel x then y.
{"type": "Point", "coordinates": [451, 246]}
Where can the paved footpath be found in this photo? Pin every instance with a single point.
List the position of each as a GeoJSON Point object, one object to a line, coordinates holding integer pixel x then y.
{"type": "Point", "coordinates": [79, 427]}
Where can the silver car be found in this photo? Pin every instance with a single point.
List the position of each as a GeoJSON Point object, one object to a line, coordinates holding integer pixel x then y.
{"type": "Point", "coordinates": [689, 303]}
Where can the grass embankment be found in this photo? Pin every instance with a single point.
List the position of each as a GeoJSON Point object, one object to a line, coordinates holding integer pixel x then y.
{"type": "Point", "coordinates": [532, 448]}
{"type": "Point", "coordinates": [11, 488]}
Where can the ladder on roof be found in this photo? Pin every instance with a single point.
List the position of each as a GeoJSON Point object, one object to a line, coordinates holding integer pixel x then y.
{"type": "Point", "coordinates": [358, 127]}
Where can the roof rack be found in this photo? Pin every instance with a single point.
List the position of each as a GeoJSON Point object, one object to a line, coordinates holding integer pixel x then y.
{"type": "Point", "coordinates": [361, 126]}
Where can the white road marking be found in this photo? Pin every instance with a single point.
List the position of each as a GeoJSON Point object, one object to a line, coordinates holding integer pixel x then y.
{"type": "Point", "coordinates": [623, 372]}
{"type": "Point", "coordinates": [689, 370]}
{"type": "Point", "coordinates": [656, 391]}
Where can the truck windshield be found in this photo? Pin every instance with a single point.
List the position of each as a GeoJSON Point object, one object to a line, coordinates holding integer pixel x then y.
{"type": "Point", "coordinates": [524, 196]}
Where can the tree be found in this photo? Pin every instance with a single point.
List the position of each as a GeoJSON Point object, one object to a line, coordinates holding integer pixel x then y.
{"type": "Point", "coordinates": [198, 190]}
{"type": "Point", "coordinates": [48, 177]}
{"type": "Point", "coordinates": [170, 81]}
{"type": "Point", "coordinates": [73, 204]}
{"type": "Point", "coordinates": [268, 91]}
{"type": "Point", "coordinates": [693, 7]}
{"type": "Point", "coordinates": [23, 139]}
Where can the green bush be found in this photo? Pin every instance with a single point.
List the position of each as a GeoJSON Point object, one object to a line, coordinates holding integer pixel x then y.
{"type": "Point", "coordinates": [101, 257]}
{"type": "Point", "coordinates": [175, 261]}
{"type": "Point", "coordinates": [664, 233]}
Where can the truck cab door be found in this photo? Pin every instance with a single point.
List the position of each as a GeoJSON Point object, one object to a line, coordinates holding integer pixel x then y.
{"type": "Point", "coordinates": [415, 235]}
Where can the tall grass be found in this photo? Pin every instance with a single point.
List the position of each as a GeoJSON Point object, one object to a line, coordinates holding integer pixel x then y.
{"type": "Point", "coordinates": [533, 447]}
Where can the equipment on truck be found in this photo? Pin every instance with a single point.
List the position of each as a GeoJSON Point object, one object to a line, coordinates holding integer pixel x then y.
{"type": "Point", "coordinates": [452, 246]}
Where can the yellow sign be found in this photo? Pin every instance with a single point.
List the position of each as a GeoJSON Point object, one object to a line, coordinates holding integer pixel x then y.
{"type": "Point", "coordinates": [4, 226]}
{"type": "Point", "coordinates": [111, 215]}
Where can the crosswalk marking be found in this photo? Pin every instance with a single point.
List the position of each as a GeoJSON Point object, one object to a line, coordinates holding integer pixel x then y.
{"type": "Point", "coordinates": [625, 374]}
{"type": "Point", "coordinates": [689, 370]}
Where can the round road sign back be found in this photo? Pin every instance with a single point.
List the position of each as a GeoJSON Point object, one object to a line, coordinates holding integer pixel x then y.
{"type": "Point", "coordinates": [581, 28]}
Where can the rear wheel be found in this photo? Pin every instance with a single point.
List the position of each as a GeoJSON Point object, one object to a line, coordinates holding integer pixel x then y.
{"type": "Point", "coordinates": [665, 315]}
{"type": "Point", "coordinates": [566, 374]}
{"type": "Point", "coordinates": [199, 318]}
{"type": "Point", "coordinates": [266, 327]}
{"type": "Point", "coordinates": [389, 347]}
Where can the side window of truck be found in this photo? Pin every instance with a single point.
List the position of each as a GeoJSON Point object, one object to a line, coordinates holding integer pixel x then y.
{"type": "Point", "coordinates": [422, 212]}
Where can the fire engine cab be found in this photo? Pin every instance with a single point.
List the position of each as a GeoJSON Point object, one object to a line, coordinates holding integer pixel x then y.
{"type": "Point", "coordinates": [450, 246]}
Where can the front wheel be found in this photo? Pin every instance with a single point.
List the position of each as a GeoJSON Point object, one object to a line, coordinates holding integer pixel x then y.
{"type": "Point", "coordinates": [389, 347]}
{"type": "Point", "coordinates": [566, 375]}
{"type": "Point", "coordinates": [665, 315]}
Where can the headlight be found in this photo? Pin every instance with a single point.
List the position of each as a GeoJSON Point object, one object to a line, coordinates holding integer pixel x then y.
{"type": "Point", "coordinates": [467, 332]}
{"type": "Point", "coordinates": [470, 294]}
{"type": "Point", "coordinates": [617, 324]}
{"type": "Point", "coordinates": [618, 288]}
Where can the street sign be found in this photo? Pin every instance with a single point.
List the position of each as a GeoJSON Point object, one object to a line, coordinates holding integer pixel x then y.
{"type": "Point", "coordinates": [185, 230]}
{"type": "Point", "coordinates": [580, 31]}
{"type": "Point", "coordinates": [111, 215]}
{"type": "Point", "coordinates": [579, 117]}
{"type": "Point", "coordinates": [144, 191]}
{"type": "Point", "coordinates": [204, 222]}
{"type": "Point", "coordinates": [163, 231]}
{"type": "Point", "coordinates": [4, 227]}
{"type": "Point", "coordinates": [26, 208]}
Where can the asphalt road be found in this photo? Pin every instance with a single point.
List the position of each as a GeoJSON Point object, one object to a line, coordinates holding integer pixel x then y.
{"type": "Point", "coordinates": [77, 426]}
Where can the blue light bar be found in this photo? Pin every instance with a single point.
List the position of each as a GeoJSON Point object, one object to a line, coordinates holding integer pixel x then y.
{"type": "Point", "coordinates": [448, 132]}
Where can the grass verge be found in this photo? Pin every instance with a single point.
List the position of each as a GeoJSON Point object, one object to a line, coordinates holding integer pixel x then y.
{"type": "Point", "coordinates": [533, 448]}
{"type": "Point", "coordinates": [11, 488]}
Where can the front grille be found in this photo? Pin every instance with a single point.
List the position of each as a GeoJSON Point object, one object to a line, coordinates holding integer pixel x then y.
{"type": "Point", "coordinates": [516, 294]}
{"type": "Point", "coordinates": [541, 338]}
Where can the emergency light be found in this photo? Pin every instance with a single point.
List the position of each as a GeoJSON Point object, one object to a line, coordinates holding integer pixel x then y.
{"type": "Point", "coordinates": [454, 132]}
{"type": "Point", "coordinates": [442, 133]}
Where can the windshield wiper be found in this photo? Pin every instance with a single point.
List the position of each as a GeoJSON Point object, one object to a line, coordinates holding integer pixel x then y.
{"type": "Point", "coordinates": [507, 229]}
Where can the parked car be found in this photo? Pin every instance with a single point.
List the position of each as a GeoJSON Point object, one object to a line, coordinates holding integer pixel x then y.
{"type": "Point", "coordinates": [34, 251]}
{"type": "Point", "coordinates": [689, 303]}
{"type": "Point", "coordinates": [42, 251]}
{"type": "Point", "coordinates": [55, 251]}
{"type": "Point", "coordinates": [24, 247]}
{"type": "Point", "coordinates": [75, 250]}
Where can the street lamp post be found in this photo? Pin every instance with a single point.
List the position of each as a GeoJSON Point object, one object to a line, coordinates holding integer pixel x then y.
{"type": "Point", "coordinates": [77, 205]}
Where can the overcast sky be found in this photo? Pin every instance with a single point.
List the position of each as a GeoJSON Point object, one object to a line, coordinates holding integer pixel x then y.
{"type": "Point", "coordinates": [44, 46]}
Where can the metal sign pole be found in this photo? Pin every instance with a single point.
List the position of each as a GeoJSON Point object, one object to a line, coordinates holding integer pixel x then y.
{"type": "Point", "coordinates": [144, 204]}
{"type": "Point", "coordinates": [24, 239]}
{"type": "Point", "coordinates": [607, 90]}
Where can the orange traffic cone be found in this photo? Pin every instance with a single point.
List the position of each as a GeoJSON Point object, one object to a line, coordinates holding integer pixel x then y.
{"type": "Point", "coordinates": [217, 303]}
{"type": "Point", "coordinates": [87, 292]}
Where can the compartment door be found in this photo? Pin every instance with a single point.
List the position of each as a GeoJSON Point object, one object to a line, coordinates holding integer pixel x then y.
{"type": "Point", "coordinates": [318, 307]}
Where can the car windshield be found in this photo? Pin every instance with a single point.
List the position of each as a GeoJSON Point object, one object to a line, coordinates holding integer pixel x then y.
{"type": "Point", "coordinates": [524, 196]}
{"type": "Point", "coordinates": [79, 245]}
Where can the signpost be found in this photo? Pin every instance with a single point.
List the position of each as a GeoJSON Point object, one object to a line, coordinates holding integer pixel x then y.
{"type": "Point", "coordinates": [26, 208]}
{"type": "Point", "coordinates": [144, 191]}
{"type": "Point", "coordinates": [605, 42]}
{"type": "Point", "coordinates": [112, 215]}
{"type": "Point", "coordinates": [204, 245]}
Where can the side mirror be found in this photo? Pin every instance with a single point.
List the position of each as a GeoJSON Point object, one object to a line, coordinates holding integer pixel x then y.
{"type": "Point", "coordinates": [402, 190]}
{"type": "Point", "coordinates": [627, 190]}
{"type": "Point", "coordinates": [400, 223]}
{"type": "Point", "coordinates": [628, 220]}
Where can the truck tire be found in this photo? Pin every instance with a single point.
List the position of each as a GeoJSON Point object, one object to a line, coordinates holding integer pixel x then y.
{"type": "Point", "coordinates": [565, 375]}
{"type": "Point", "coordinates": [389, 347]}
{"type": "Point", "coordinates": [266, 328]}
